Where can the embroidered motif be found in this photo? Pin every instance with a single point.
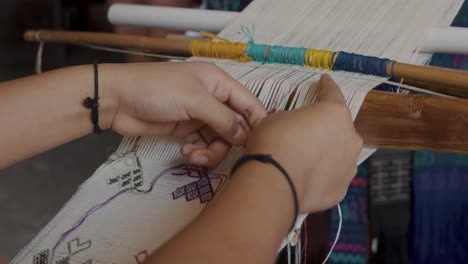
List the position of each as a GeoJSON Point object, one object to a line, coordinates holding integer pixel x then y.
{"type": "Point", "coordinates": [198, 189]}
{"type": "Point", "coordinates": [132, 178]}
{"type": "Point", "coordinates": [65, 260]}
{"type": "Point", "coordinates": [41, 257]}
{"type": "Point", "coordinates": [141, 257]}
{"type": "Point", "coordinates": [201, 188]}
{"type": "Point", "coordinates": [75, 247]}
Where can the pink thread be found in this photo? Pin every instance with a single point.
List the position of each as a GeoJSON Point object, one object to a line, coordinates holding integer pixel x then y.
{"type": "Point", "coordinates": [350, 247]}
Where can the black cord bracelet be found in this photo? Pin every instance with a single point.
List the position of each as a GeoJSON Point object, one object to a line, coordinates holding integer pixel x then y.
{"type": "Point", "coordinates": [93, 103]}
{"type": "Point", "coordinates": [269, 159]}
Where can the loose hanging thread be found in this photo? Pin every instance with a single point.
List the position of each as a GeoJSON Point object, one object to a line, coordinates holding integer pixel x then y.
{"type": "Point", "coordinates": [298, 255]}
{"type": "Point", "coordinates": [40, 51]}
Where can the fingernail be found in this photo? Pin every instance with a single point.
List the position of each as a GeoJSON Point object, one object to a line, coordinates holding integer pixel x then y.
{"type": "Point", "coordinates": [200, 160]}
{"type": "Point", "coordinates": [186, 149]}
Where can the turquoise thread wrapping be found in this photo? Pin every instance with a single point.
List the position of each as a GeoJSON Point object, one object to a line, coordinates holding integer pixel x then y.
{"type": "Point", "coordinates": [343, 61]}
{"type": "Point", "coordinates": [286, 55]}
{"type": "Point", "coordinates": [256, 52]}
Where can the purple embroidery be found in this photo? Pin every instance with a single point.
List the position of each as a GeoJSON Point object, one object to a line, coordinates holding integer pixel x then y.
{"type": "Point", "coordinates": [198, 189]}
{"type": "Point", "coordinates": [201, 188]}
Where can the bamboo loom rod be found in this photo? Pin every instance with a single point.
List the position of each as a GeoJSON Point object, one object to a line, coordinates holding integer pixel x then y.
{"type": "Point", "coordinates": [385, 120]}
{"type": "Point", "coordinates": [454, 82]}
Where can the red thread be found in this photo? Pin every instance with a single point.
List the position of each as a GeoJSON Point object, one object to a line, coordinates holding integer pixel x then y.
{"type": "Point", "coordinates": [359, 182]}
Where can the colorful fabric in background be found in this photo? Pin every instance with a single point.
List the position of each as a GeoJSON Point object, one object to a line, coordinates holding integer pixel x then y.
{"type": "Point", "coordinates": [440, 209]}
{"type": "Point", "coordinates": [389, 174]}
{"type": "Point", "coordinates": [353, 244]}
{"type": "Point", "coordinates": [440, 204]}
{"type": "Point", "coordinates": [227, 5]}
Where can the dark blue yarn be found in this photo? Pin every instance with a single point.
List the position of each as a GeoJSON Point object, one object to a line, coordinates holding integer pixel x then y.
{"type": "Point", "coordinates": [351, 62]}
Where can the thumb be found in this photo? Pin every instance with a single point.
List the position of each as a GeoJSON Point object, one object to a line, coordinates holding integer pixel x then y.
{"type": "Point", "coordinates": [328, 91]}
{"type": "Point", "coordinates": [222, 119]}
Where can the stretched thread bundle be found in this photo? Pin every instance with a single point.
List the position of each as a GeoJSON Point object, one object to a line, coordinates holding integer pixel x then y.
{"type": "Point", "coordinates": [324, 59]}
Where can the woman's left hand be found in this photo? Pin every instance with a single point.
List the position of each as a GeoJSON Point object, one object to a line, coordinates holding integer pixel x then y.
{"type": "Point", "coordinates": [193, 101]}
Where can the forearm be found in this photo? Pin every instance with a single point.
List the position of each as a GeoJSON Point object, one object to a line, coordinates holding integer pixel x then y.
{"type": "Point", "coordinates": [43, 111]}
{"type": "Point", "coordinates": [245, 224]}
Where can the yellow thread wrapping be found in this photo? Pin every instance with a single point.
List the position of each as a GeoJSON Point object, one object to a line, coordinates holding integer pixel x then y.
{"type": "Point", "coordinates": [319, 58]}
{"type": "Point", "coordinates": [214, 36]}
{"type": "Point", "coordinates": [222, 50]}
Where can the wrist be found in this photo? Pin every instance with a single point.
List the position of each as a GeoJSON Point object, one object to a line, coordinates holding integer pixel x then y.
{"type": "Point", "coordinates": [268, 183]}
{"type": "Point", "coordinates": [294, 171]}
{"type": "Point", "coordinates": [108, 96]}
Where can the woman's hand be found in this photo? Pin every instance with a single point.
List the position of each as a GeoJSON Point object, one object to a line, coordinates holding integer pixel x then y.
{"type": "Point", "coordinates": [317, 145]}
{"type": "Point", "coordinates": [193, 101]}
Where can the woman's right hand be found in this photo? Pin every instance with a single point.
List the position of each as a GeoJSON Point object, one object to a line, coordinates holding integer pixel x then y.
{"type": "Point", "coordinates": [317, 145]}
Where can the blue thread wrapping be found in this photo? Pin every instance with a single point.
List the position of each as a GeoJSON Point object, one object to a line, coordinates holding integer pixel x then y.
{"type": "Point", "coordinates": [351, 62]}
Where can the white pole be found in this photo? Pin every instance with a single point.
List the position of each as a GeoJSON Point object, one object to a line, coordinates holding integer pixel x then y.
{"type": "Point", "coordinates": [443, 40]}
{"type": "Point", "coordinates": [170, 17]}
{"type": "Point", "coordinates": [447, 40]}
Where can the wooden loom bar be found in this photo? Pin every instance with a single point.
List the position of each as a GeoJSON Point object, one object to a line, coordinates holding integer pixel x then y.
{"type": "Point", "coordinates": [175, 47]}
{"type": "Point", "coordinates": [434, 78]}
{"type": "Point", "coordinates": [447, 81]}
{"type": "Point", "coordinates": [389, 120]}
{"type": "Point", "coordinates": [385, 120]}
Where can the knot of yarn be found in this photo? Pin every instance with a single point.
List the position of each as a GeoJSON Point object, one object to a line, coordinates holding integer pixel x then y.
{"type": "Point", "coordinates": [91, 103]}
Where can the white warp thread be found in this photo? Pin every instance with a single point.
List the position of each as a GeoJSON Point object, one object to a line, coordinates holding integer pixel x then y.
{"type": "Point", "coordinates": [40, 51]}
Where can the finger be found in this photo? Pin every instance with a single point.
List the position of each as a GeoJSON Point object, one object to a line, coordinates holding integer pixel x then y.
{"type": "Point", "coordinates": [208, 134]}
{"type": "Point", "coordinates": [233, 93]}
{"type": "Point", "coordinates": [199, 140]}
{"type": "Point", "coordinates": [328, 91]}
{"type": "Point", "coordinates": [186, 128]}
{"type": "Point", "coordinates": [133, 127]}
{"type": "Point", "coordinates": [220, 118]}
{"type": "Point", "coordinates": [191, 138]}
{"type": "Point", "coordinates": [210, 156]}
{"type": "Point", "coordinates": [186, 149]}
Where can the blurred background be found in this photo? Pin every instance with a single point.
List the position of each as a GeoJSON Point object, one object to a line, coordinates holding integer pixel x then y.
{"type": "Point", "coordinates": [402, 207]}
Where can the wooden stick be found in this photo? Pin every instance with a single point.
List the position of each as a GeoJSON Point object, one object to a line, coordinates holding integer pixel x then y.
{"type": "Point", "coordinates": [164, 46]}
{"type": "Point", "coordinates": [447, 81]}
{"type": "Point", "coordinates": [414, 122]}
{"type": "Point", "coordinates": [385, 120]}
{"type": "Point", "coordinates": [434, 78]}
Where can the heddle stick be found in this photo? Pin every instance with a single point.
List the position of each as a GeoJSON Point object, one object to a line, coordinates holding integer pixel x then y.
{"type": "Point", "coordinates": [447, 81]}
